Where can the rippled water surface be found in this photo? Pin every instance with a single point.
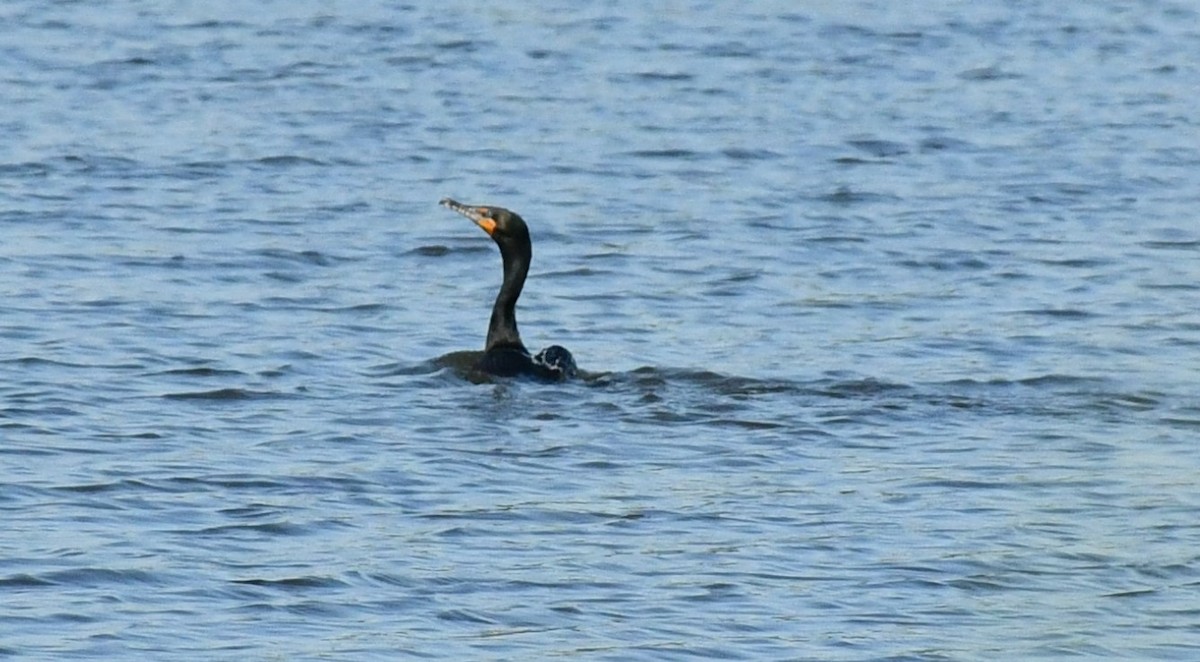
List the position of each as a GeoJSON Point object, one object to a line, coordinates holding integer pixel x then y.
{"type": "Point", "coordinates": [888, 315]}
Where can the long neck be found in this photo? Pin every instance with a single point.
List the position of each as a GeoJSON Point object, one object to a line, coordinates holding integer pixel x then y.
{"type": "Point", "coordinates": [502, 330]}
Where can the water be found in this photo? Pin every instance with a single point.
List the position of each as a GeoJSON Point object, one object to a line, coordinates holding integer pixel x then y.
{"type": "Point", "coordinates": [889, 316]}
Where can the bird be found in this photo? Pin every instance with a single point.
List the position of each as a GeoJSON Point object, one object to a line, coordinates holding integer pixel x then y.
{"type": "Point", "coordinates": [504, 355]}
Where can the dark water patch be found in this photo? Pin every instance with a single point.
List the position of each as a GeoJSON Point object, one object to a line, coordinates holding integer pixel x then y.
{"type": "Point", "coordinates": [435, 250]}
{"type": "Point", "coordinates": [578, 272]}
{"type": "Point", "coordinates": [658, 76]}
{"type": "Point", "coordinates": [361, 309]}
{"type": "Point", "coordinates": [879, 148]}
{"type": "Point", "coordinates": [201, 371]}
{"type": "Point", "coordinates": [845, 196]}
{"type": "Point", "coordinates": [744, 424]}
{"type": "Point", "coordinates": [459, 45]}
{"type": "Point", "coordinates": [913, 36]}
{"type": "Point", "coordinates": [464, 616]}
{"type": "Point", "coordinates": [716, 401]}
{"type": "Point", "coordinates": [837, 239]}
{"type": "Point", "coordinates": [238, 481]}
{"type": "Point", "coordinates": [1182, 423]}
{"type": "Point", "coordinates": [252, 531]}
{"type": "Point", "coordinates": [25, 581]}
{"type": "Point", "coordinates": [1060, 313]}
{"type": "Point", "coordinates": [225, 395]}
{"type": "Point", "coordinates": [1049, 396]}
{"type": "Point", "coordinates": [199, 169]}
{"type": "Point", "coordinates": [957, 485]}
{"type": "Point", "coordinates": [1132, 593]}
{"type": "Point", "coordinates": [731, 49]}
{"type": "Point", "coordinates": [856, 161]}
{"type": "Point", "coordinates": [1060, 193]}
{"type": "Point", "coordinates": [123, 486]}
{"type": "Point", "coordinates": [36, 169]}
{"type": "Point", "coordinates": [743, 154]}
{"type": "Point", "coordinates": [101, 165]}
{"type": "Point", "coordinates": [191, 230]}
{"type": "Point", "coordinates": [214, 24]}
{"type": "Point", "coordinates": [669, 154]}
{"type": "Point", "coordinates": [17, 427]}
{"type": "Point", "coordinates": [312, 257]}
{"type": "Point", "coordinates": [848, 30]}
{"type": "Point", "coordinates": [1078, 263]}
{"type": "Point", "coordinates": [1131, 401]}
{"type": "Point", "coordinates": [303, 69]}
{"type": "Point", "coordinates": [107, 302]}
{"type": "Point", "coordinates": [136, 61]}
{"type": "Point", "coordinates": [1068, 383]}
{"type": "Point", "coordinates": [412, 61]}
{"type": "Point", "coordinates": [253, 510]}
{"type": "Point", "coordinates": [284, 161]}
{"type": "Point", "coordinates": [1187, 245]}
{"type": "Point", "coordinates": [37, 361]}
{"type": "Point", "coordinates": [338, 209]}
{"type": "Point", "coordinates": [283, 277]}
{"type": "Point", "coordinates": [945, 144]}
{"type": "Point", "coordinates": [988, 74]}
{"type": "Point", "coordinates": [739, 387]}
{"type": "Point", "coordinates": [284, 303]}
{"type": "Point", "coordinates": [103, 577]}
{"type": "Point", "coordinates": [290, 584]}
{"type": "Point", "coordinates": [166, 262]}
{"type": "Point", "coordinates": [141, 436]}
{"type": "Point", "coordinates": [948, 264]}
{"type": "Point", "coordinates": [858, 388]}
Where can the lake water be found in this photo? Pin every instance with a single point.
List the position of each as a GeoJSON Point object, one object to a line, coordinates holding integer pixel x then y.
{"type": "Point", "coordinates": [889, 313]}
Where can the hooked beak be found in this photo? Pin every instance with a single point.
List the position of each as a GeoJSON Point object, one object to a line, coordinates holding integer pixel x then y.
{"type": "Point", "coordinates": [481, 215]}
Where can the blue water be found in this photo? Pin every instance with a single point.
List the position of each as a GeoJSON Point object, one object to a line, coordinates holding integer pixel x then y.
{"type": "Point", "coordinates": [888, 314]}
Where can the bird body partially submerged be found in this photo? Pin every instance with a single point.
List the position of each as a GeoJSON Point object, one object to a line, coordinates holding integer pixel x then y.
{"type": "Point", "coordinates": [504, 354]}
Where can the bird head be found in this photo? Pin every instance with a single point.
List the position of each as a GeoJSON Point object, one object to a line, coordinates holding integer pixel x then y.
{"type": "Point", "coordinates": [500, 224]}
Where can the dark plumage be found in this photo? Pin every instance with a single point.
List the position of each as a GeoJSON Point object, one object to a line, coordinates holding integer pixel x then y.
{"type": "Point", "coordinates": [504, 354]}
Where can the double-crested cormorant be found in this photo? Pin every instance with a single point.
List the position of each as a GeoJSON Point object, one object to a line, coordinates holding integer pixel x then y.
{"type": "Point", "coordinates": [504, 354]}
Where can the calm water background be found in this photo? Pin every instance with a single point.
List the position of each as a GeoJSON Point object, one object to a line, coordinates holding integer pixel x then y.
{"type": "Point", "coordinates": [890, 310]}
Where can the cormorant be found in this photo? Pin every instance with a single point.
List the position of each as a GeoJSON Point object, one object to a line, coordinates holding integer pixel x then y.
{"type": "Point", "coordinates": [504, 354]}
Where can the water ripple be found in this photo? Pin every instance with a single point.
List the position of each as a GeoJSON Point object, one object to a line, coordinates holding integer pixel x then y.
{"type": "Point", "coordinates": [882, 357]}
